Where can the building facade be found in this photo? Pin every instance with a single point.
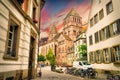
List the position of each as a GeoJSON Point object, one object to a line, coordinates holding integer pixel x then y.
{"type": "Point", "coordinates": [103, 35]}
{"type": "Point", "coordinates": [80, 40]}
{"type": "Point", "coordinates": [19, 27]}
{"type": "Point", "coordinates": [70, 55]}
{"type": "Point", "coordinates": [72, 26]}
{"type": "Point", "coordinates": [64, 42]}
{"type": "Point", "coordinates": [49, 43]}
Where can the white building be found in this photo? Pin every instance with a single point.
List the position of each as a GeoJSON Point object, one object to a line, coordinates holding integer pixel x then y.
{"type": "Point", "coordinates": [19, 31]}
{"type": "Point", "coordinates": [103, 35]}
{"type": "Point", "coordinates": [80, 40]}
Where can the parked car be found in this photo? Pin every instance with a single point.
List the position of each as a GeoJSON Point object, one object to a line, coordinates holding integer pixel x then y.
{"type": "Point", "coordinates": [81, 65]}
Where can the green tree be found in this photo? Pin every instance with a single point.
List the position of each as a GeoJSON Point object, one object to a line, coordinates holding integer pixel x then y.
{"type": "Point", "coordinates": [82, 50]}
{"type": "Point", "coordinates": [41, 58]}
{"type": "Point", "coordinates": [51, 58]}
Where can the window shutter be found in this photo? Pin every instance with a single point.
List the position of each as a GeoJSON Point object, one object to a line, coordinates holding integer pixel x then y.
{"type": "Point", "coordinates": [112, 55]}
{"type": "Point", "coordinates": [118, 25]}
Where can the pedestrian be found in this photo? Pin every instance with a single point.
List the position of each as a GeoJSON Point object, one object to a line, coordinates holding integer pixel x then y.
{"type": "Point", "coordinates": [40, 73]}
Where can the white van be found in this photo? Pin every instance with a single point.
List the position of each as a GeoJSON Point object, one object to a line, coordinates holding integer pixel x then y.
{"type": "Point", "coordinates": [81, 64]}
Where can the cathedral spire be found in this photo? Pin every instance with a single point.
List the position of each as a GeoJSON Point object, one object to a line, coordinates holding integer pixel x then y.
{"type": "Point", "coordinates": [53, 29]}
{"type": "Point", "coordinates": [53, 32]}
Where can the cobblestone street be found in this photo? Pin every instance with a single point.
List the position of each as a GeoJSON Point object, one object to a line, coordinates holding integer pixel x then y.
{"type": "Point", "coordinates": [49, 75]}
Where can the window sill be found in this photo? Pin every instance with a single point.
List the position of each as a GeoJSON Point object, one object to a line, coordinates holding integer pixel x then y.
{"type": "Point", "coordinates": [10, 58]}
{"type": "Point", "coordinates": [107, 62]}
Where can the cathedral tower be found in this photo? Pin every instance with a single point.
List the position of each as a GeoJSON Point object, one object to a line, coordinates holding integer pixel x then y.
{"type": "Point", "coordinates": [72, 24]}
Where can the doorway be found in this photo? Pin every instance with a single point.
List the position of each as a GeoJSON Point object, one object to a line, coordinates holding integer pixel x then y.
{"type": "Point", "coordinates": [31, 59]}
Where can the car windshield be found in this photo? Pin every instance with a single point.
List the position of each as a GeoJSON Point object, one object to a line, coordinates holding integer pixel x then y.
{"type": "Point", "coordinates": [86, 63]}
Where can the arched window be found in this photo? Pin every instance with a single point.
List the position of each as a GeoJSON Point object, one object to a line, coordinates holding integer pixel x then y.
{"type": "Point", "coordinates": [74, 32]}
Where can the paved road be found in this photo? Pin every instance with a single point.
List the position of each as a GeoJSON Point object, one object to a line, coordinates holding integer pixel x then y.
{"type": "Point", "coordinates": [47, 74]}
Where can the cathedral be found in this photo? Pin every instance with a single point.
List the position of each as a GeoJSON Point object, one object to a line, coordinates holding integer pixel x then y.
{"type": "Point", "coordinates": [62, 43]}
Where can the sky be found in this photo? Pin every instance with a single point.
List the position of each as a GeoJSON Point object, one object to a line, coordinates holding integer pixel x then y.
{"type": "Point", "coordinates": [54, 11]}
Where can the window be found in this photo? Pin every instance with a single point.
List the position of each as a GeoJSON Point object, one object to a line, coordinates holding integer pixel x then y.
{"type": "Point", "coordinates": [96, 37]}
{"type": "Point", "coordinates": [1, 77]}
{"type": "Point", "coordinates": [92, 57]}
{"type": "Point", "coordinates": [63, 49]}
{"type": "Point", "coordinates": [102, 34]}
{"type": "Point", "coordinates": [80, 63]}
{"type": "Point", "coordinates": [115, 28]}
{"type": "Point", "coordinates": [96, 18]}
{"type": "Point", "coordinates": [13, 38]}
{"type": "Point", "coordinates": [116, 51]}
{"type": "Point", "coordinates": [107, 32]}
{"type": "Point", "coordinates": [90, 40]}
{"type": "Point", "coordinates": [118, 26]}
{"type": "Point", "coordinates": [98, 57]}
{"type": "Point", "coordinates": [101, 14]}
{"type": "Point", "coordinates": [109, 7]}
{"type": "Point", "coordinates": [73, 19]}
{"type": "Point", "coordinates": [106, 55]}
{"type": "Point", "coordinates": [78, 20]}
{"type": "Point", "coordinates": [34, 14]}
{"type": "Point", "coordinates": [74, 32]}
{"type": "Point", "coordinates": [10, 78]}
{"type": "Point", "coordinates": [68, 33]}
{"type": "Point", "coordinates": [91, 22]}
{"type": "Point", "coordinates": [84, 40]}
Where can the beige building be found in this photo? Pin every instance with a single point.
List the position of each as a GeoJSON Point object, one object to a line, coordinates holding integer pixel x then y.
{"type": "Point", "coordinates": [19, 27]}
{"type": "Point", "coordinates": [103, 35]}
{"type": "Point", "coordinates": [64, 42]}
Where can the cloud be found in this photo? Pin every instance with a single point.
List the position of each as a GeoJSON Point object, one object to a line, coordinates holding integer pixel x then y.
{"type": "Point", "coordinates": [45, 29]}
{"type": "Point", "coordinates": [59, 26]}
{"type": "Point", "coordinates": [43, 34]}
{"type": "Point", "coordinates": [45, 17]}
{"type": "Point", "coordinates": [82, 8]}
